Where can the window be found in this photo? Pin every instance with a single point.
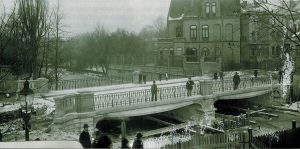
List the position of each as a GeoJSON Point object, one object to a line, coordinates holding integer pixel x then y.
{"type": "Point", "coordinates": [205, 32]}
{"type": "Point", "coordinates": [213, 8]}
{"type": "Point", "coordinates": [178, 32]}
{"type": "Point", "coordinates": [252, 51]}
{"type": "Point", "coordinates": [278, 50]}
{"type": "Point", "coordinates": [229, 32]}
{"type": "Point", "coordinates": [205, 52]}
{"type": "Point", "coordinates": [191, 54]}
{"type": "Point", "coordinates": [193, 32]}
{"type": "Point", "coordinates": [273, 50]}
{"type": "Point", "coordinates": [207, 7]}
{"type": "Point", "coordinates": [217, 32]}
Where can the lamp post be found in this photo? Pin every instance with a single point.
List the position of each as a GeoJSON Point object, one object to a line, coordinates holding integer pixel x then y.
{"type": "Point", "coordinates": [26, 95]}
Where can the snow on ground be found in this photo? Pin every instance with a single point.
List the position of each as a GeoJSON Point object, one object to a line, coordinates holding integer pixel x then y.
{"type": "Point", "coordinates": [294, 106]}
{"type": "Point", "coordinates": [8, 108]}
{"type": "Point", "coordinates": [48, 105]}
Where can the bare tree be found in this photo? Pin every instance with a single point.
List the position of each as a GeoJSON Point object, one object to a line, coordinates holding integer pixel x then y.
{"type": "Point", "coordinates": [32, 16]}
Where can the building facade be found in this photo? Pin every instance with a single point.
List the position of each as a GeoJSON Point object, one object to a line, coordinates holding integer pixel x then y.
{"type": "Point", "coordinates": [203, 30]}
{"type": "Point", "coordinates": [237, 34]}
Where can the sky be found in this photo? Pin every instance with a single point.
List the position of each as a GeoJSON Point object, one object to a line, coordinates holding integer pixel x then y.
{"type": "Point", "coordinates": [80, 16]}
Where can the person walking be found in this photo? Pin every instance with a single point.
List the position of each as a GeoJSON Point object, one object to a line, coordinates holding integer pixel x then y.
{"type": "Point", "coordinates": [189, 86]}
{"type": "Point", "coordinates": [159, 76]}
{"type": "Point", "coordinates": [144, 78]}
{"type": "Point", "coordinates": [167, 76]}
{"type": "Point", "coordinates": [215, 76]}
{"type": "Point", "coordinates": [84, 137]}
{"type": "Point", "coordinates": [0, 136]}
{"type": "Point", "coordinates": [236, 81]}
{"type": "Point", "coordinates": [255, 73]}
{"type": "Point", "coordinates": [124, 144]}
{"type": "Point", "coordinates": [221, 75]}
{"type": "Point", "coordinates": [153, 91]}
{"type": "Point", "coordinates": [102, 140]}
{"type": "Point", "coordinates": [138, 143]}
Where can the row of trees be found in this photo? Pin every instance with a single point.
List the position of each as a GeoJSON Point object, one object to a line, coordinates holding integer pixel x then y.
{"type": "Point", "coordinates": [91, 49]}
{"type": "Point", "coordinates": [30, 36]}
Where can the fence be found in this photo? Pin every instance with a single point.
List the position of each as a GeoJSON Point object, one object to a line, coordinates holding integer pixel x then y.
{"type": "Point", "coordinates": [279, 139]}
{"type": "Point", "coordinates": [227, 85]}
{"type": "Point", "coordinates": [103, 101]}
{"type": "Point", "coordinates": [235, 140]}
{"type": "Point", "coordinates": [82, 83]}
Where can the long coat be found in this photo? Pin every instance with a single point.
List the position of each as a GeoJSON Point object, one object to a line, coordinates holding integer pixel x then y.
{"type": "Point", "coordinates": [85, 139]}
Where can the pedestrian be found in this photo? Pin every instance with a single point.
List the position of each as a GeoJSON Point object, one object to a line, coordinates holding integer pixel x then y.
{"type": "Point", "coordinates": [0, 136]}
{"type": "Point", "coordinates": [103, 140]}
{"type": "Point", "coordinates": [280, 73]}
{"type": "Point", "coordinates": [159, 76]}
{"type": "Point", "coordinates": [124, 144]}
{"type": "Point", "coordinates": [138, 143]}
{"type": "Point", "coordinates": [144, 79]}
{"type": "Point", "coordinates": [189, 86]}
{"type": "Point", "coordinates": [154, 91]}
{"type": "Point", "coordinates": [167, 77]}
{"type": "Point", "coordinates": [255, 73]}
{"type": "Point", "coordinates": [140, 78]}
{"type": "Point", "coordinates": [216, 76]}
{"type": "Point", "coordinates": [84, 137]}
{"type": "Point", "coordinates": [221, 75]}
{"type": "Point", "coordinates": [236, 81]}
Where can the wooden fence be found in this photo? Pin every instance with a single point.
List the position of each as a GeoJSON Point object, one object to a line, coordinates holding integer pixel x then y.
{"type": "Point", "coordinates": [235, 140]}
{"type": "Point", "coordinates": [280, 139]}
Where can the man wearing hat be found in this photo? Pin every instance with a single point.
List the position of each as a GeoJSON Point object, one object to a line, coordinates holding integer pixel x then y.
{"type": "Point", "coordinates": [138, 143]}
{"type": "Point", "coordinates": [84, 137]}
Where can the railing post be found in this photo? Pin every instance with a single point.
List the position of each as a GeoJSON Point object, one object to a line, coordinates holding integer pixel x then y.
{"type": "Point", "coordinates": [250, 137]}
{"type": "Point", "coordinates": [294, 124]}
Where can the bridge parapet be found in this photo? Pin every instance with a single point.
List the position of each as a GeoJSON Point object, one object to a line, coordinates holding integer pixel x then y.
{"type": "Point", "coordinates": [227, 85]}
{"type": "Point", "coordinates": [120, 99]}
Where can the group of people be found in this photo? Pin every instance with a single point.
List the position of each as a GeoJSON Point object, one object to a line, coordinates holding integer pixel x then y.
{"type": "Point", "coordinates": [102, 140]}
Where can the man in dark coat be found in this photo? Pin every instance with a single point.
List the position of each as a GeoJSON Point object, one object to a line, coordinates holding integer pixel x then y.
{"type": "Point", "coordinates": [216, 76]}
{"type": "Point", "coordinates": [236, 81]}
{"type": "Point", "coordinates": [189, 86]}
{"type": "Point", "coordinates": [153, 91]}
{"type": "Point", "coordinates": [84, 137]}
{"type": "Point", "coordinates": [255, 73]}
{"type": "Point", "coordinates": [104, 141]}
{"type": "Point", "coordinates": [138, 143]}
{"type": "Point", "coordinates": [159, 76]}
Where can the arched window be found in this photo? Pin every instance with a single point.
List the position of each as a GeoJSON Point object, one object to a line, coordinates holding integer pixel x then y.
{"type": "Point", "coordinates": [228, 32]}
{"type": "Point", "coordinates": [205, 32]}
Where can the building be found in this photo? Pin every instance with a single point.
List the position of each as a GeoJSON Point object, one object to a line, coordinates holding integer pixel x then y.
{"type": "Point", "coordinates": [229, 32]}
{"type": "Point", "coordinates": [203, 31]}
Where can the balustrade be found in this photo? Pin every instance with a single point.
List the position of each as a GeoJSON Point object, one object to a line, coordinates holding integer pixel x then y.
{"type": "Point", "coordinates": [120, 99]}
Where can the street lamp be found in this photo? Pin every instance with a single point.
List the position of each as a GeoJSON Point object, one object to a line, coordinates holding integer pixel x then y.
{"type": "Point", "coordinates": [26, 96]}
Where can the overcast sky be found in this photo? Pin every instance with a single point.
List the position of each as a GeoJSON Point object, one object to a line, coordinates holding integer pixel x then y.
{"type": "Point", "coordinates": [83, 15]}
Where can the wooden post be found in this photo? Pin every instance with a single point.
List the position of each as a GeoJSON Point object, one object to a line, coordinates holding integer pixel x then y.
{"type": "Point", "coordinates": [294, 124]}
{"type": "Point", "coordinates": [123, 129]}
{"type": "Point", "coordinates": [250, 136]}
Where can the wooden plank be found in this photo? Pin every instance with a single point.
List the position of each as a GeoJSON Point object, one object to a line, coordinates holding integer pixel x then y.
{"type": "Point", "coordinates": [159, 121]}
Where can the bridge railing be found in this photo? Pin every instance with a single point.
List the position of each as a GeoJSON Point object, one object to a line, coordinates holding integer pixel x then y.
{"type": "Point", "coordinates": [103, 101]}
{"type": "Point", "coordinates": [227, 85]}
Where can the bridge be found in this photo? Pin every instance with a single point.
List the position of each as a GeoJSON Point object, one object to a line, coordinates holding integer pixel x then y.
{"type": "Point", "coordinates": [89, 105]}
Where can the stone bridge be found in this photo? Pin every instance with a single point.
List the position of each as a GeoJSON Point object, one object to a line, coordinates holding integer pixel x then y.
{"type": "Point", "coordinates": [123, 101]}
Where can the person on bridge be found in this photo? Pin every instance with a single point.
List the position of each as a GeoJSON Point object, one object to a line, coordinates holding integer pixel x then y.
{"type": "Point", "coordinates": [167, 76]}
{"type": "Point", "coordinates": [102, 140]}
{"type": "Point", "coordinates": [255, 73]}
{"type": "Point", "coordinates": [154, 91]}
{"type": "Point", "coordinates": [236, 81]}
{"type": "Point", "coordinates": [124, 144]}
{"type": "Point", "coordinates": [84, 137]}
{"type": "Point", "coordinates": [138, 143]}
{"type": "Point", "coordinates": [189, 86]}
{"type": "Point", "coordinates": [159, 76]}
{"type": "Point", "coordinates": [144, 78]}
{"type": "Point", "coordinates": [221, 75]}
{"type": "Point", "coordinates": [216, 76]}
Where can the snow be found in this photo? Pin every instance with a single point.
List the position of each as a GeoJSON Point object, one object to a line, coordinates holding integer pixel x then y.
{"type": "Point", "coordinates": [294, 106]}
{"type": "Point", "coordinates": [174, 19]}
{"type": "Point", "coordinates": [8, 108]}
{"type": "Point", "coordinates": [40, 103]}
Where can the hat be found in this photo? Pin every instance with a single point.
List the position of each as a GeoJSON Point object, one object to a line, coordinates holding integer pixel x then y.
{"type": "Point", "coordinates": [139, 135]}
{"type": "Point", "coordinates": [85, 126]}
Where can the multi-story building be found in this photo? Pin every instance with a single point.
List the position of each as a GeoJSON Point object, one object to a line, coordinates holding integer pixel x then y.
{"type": "Point", "coordinates": [203, 30]}
{"type": "Point", "coordinates": [223, 31]}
